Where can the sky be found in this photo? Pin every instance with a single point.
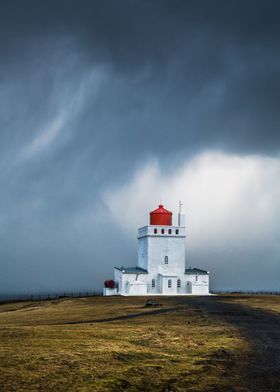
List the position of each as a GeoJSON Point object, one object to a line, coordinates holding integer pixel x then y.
{"type": "Point", "coordinates": [108, 108]}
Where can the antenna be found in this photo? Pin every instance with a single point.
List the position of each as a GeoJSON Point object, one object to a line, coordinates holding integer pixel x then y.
{"type": "Point", "coordinates": [181, 217]}
{"type": "Point", "coordinates": [180, 206]}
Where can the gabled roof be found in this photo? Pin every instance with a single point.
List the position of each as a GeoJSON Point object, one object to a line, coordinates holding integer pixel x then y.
{"type": "Point", "coordinates": [132, 270]}
{"type": "Point", "coordinates": [195, 271]}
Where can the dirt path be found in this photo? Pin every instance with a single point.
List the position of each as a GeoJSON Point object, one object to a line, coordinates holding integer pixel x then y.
{"type": "Point", "coordinates": [261, 329]}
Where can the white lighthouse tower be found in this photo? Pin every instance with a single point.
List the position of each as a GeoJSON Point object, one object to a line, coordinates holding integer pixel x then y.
{"type": "Point", "coordinates": [161, 266]}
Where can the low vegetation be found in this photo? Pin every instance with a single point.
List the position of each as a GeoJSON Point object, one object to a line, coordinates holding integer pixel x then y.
{"type": "Point", "coordinates": [67, 345]}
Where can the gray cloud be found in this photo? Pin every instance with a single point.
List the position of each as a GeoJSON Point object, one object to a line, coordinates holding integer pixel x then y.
{"type": "Point", "coordinates": [90, 92]}
{"type": "Point", "coordinates": [232, 214]}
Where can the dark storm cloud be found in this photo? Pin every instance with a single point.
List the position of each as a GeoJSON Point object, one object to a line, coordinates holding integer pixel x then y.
{"type": "Point", "coordinates": [91, 90]}
{"type": "Point", "coordinates": [208, 70]}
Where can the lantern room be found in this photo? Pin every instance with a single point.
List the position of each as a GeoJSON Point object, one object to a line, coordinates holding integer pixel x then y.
{"type": "Point", "coordinates": [161, 217]}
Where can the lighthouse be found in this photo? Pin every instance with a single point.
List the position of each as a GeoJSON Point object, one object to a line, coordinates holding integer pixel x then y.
{"type": "Point", "coordinates": [161, 267]}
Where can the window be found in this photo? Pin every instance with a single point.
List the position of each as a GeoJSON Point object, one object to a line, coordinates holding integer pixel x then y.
{"type": "Point", "coordinates": [153, 283]}
{"type": "Point", "coordinates": [177, 231]}
{"type": "Point", "coordinates": [155, 231]}
{"type": "Point", "coordinates": [169, 283]}
{"type": "Point", "coordinates": [179, 283]}
{"type": "Point", "coordinates": [162, 231]}
{"type": "Point", "coordinates": [165, 259]}
{"type": "Point", "coordinates": [169, 231]}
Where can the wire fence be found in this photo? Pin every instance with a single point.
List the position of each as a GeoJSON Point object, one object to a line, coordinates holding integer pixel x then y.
{"type": "Point", "coordinates": [245, 292]}
{"type": "Point", "coordinates": [47, 296]}
{"type": "Point", "coordinates": [82, 294]}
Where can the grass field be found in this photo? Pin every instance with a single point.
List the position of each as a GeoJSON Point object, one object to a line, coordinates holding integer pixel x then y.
{"type": "Point", "coordinates": [116, 344]}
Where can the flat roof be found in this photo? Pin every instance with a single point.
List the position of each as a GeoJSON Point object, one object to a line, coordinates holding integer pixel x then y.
{"type": "Point", "coordinates": [132, 270]}
{"type": "Point", "coordinates": [195, 271]}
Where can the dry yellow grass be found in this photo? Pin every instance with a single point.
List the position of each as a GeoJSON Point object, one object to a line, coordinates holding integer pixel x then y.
{"type": "Point", "coordinates": [184, 349]}
{"type": "Point", "coordinates": [262, 302]}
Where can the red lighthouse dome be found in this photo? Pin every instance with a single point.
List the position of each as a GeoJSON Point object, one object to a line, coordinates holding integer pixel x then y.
{"type": "Point", "coordinates": [161, 217]}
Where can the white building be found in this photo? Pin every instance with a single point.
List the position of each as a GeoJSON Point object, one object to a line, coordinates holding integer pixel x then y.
{"type": "Point", "coordinates": [161, 262]}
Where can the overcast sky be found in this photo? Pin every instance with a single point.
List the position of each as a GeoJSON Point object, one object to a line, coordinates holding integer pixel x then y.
{"type": "Point", "coordinates": [108, 107]}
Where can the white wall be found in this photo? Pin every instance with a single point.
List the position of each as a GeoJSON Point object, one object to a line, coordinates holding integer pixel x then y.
{"type": "Point", "coordinates": [118, 279]}
{"type": "Point", "coordinates": [143, 253]}
{"type": "Point", "coordinates": [173, 248]}
{"type": "Point", "coordinates": [128, 279]}
{"type": "Point", "coordinates": [136, 288]}
{"type": "Point", "coordinates": [107, 291]}
{"type": "Point", "coordinates": [200, 279]}
{"type": "Point", "coordinates": [152, 249]}
{"type": "Point", "coordinates": [199, 289]}
{"type": "Point", "coordinates": [169, 290]}
{"type": "Point", "coordinates": [198, 284]}
{"type": "Point", "coordinates": [181, 219]}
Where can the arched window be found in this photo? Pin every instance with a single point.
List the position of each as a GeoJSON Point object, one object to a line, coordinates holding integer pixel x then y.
{"type": "Point", "coordinates": [162, 231]}
{"type": "Point", "coordinates": [155, 231]}
{"type": "Point", "coordinates": [153, 283]}
{"type": "Point", "coordinates": [179, 283]}
{"type": "Point", "coordinates": [169, 231]}
{"type": "Point", "coordinates": [177, 231]}
{"type": "Point", "coordinates": [169, 283]}
{"type": "Point", "coordinates": [165, 259]}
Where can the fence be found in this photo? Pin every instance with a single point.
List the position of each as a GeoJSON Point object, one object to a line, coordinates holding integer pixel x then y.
{"type": "Point", "coordinates": [55, 296]}
{"type": "Point", "coordinates": [245, 292]}
{"type": "Point", "coordinates": [47, 296]}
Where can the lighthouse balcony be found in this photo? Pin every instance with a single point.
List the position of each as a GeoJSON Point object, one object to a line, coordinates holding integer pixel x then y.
{"type": "Point", "coordinates": [159, 231]}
